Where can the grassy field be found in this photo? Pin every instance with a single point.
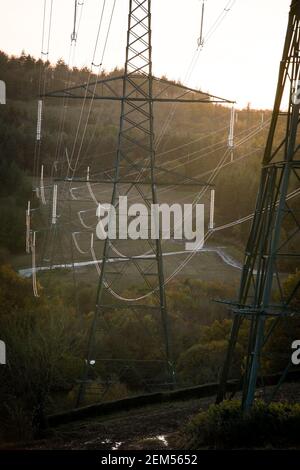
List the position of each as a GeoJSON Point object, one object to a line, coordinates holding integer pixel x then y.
{"type": "Point", "coordinates": [55, 245]}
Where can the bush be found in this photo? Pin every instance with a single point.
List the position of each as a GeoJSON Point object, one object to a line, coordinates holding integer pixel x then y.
{"type": "Point", "coordinates": [44, 351]}
{"type": "Point", "coordinates": [225, 426]}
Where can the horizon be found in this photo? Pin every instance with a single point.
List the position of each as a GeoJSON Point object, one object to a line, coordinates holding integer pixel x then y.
{"type": "Point", "coordinates": [108, 72]}
{"type": "Point", "coordinates": [231, 47]}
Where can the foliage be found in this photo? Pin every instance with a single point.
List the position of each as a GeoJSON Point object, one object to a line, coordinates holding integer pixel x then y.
{"type": "Point", "coordinates": [15, 190]}
{"type": "Point", "coordinates": [278, 348]}
{"type": "Point", "coordinates": [225, 426]}
{"type": "Point", "coordinates": [43, 349]}
{"type": "Point", "coordinates": [17, 146]}
{"type": "Point", "coordinates": [46, 337]}
{"type": "Point", "coordinates": [202, 362]}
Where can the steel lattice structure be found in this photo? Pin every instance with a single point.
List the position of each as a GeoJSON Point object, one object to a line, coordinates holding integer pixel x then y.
{"type": "Point", "coordinates": [135, 175]}
{"type": "Point", "coordinates": [274, 240]}
{"type": "Point", "coordinates": [135, 152]}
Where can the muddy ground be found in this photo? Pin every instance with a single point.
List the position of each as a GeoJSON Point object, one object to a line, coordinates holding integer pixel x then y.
{"type": "Point", "coordinates": [149, 427]}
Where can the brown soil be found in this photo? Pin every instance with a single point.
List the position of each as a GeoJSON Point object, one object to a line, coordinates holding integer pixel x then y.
{"type": "Point", "coordinates": [149, 427]}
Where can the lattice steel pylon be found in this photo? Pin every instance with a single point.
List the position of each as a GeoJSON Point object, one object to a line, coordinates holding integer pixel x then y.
{"type": "Point", "coordinates": [273, 245]}
{"type": "Point", "coordinates": [135, 175]}
{"type": "Point", "coordinates": [135, 153]}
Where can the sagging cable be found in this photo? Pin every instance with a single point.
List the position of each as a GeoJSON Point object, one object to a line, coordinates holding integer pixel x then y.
{"type": "Point", "coordinates": [94, 255]}
{"type": "Point", "coordinates": [76, 243]}
{"type": "Point", "coordinates": [72, 195]}
{"type": "Point", "coordinates": [68, 160]}
{"type": "Point", "coordinates": [89, 227]}
{"type": "Point", "coordinates": [89, 186]}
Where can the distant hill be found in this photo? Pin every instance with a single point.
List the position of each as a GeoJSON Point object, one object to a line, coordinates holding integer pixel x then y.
{"type": "Point", "coordinates": [192, 144]}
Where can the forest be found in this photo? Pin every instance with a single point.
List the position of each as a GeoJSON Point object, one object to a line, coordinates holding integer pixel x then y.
{"type": "Point", "coordinates": [46, 337]}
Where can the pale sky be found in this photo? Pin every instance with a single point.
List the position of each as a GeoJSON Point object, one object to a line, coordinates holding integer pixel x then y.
{"type": "Point", "coordinates": [239, 61]}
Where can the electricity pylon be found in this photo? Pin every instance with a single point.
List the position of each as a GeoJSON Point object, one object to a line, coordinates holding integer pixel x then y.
{"type": "Point", "coordinates": [135, 175]}
{"type": "Point", "coordinates": [273, 244]}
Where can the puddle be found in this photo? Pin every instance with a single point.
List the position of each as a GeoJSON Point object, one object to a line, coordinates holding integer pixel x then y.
{"type": "Point", "coordinates": [116, 445]}
{"type": "Point", "coordinates": [162, 439]}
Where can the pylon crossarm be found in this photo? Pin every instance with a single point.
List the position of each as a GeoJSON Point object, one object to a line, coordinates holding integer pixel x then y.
{"type": "Point", "coordinates": [132, 182]}
{"type": "Point", "coordinates": [294, 164]}
{"type": "Point", "coordinates": [102, 89]}
{"type": "Point", "coordinates": [271, 311]}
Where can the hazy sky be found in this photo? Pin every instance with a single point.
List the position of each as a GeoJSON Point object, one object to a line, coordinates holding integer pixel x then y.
{"type": "Point", "coordinates": [239, 61]}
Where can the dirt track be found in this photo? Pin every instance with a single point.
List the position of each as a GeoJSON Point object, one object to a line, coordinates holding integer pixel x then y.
{"type": "Point", "coordinates": [149, 427]}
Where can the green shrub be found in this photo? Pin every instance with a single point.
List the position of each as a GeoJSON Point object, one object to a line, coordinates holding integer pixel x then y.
{"type": "Point", "coordinates": [225, 426]}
